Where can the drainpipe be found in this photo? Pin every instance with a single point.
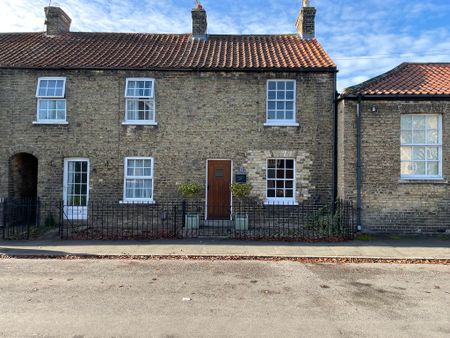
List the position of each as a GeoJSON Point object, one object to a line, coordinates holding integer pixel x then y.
{"type": "Point", "coordinates": [358, 163]}
{"type": "Point", "coordinates": [335, 136]}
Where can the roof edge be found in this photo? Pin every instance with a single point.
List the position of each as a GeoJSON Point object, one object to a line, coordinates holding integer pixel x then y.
{"type": "Point", "coordinates": [354, 97]}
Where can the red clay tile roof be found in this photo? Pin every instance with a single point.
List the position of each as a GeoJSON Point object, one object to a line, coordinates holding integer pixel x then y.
{"type": "Point", "coordinates": [161, 51]}
{"type": "Point", "coordinates": [407, 79]}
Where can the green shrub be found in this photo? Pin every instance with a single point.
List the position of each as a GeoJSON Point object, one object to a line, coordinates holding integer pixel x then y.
{"type": "Point", "coordinates": [325, 222]}
{"type": "Point", "coordinates": [241, 190]}
{"type": "Point", "coordinates": [189, 190]}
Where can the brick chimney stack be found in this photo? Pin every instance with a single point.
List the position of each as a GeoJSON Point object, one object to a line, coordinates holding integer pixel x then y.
{"type": "Point", "coordinates": [306, 21]}
{"type": "Point", "coordinates": [199, 22]}
{"type": "Point", "coordinates": [57, 21]}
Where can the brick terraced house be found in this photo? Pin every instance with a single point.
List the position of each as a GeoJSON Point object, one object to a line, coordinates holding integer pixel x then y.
{"type": "Point", "coordinates": [394, 132]}
{"type": "Point", "coordinates": [127, 117]}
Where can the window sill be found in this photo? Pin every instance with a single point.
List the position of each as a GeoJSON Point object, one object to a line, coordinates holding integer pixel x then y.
{"type": "Point", "coordinates": [64, 123]}
{"type": "Point", "coordinates": [137, 202]}
{"type": "Point", "coordinates": [127, 123]}
{"type": "Point", "coordinates": [423, 181]}
{"type": "Point", "coordinates": [280, 203]}
{"type": "Point", "coordinates": [285, 124]}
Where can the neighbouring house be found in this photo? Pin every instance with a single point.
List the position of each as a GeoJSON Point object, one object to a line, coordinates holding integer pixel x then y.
{"type": "Point", "coordinates": [127, 117]}
{"type": "Point", "coordinates": [393, 158]}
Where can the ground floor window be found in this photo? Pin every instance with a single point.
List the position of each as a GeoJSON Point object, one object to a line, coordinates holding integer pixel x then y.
{"type": "Point", "coordinates": [280, 181]}
{"type": "Point", "coordinates": [138, 186]}
{"type": "Point", "coordinates": [421, 146]}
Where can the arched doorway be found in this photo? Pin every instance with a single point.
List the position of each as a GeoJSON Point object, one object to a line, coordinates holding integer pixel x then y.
{"type": "Point", "coordinates": [23, 176]}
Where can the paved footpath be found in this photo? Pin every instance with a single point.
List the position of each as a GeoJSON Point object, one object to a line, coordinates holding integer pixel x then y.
{"type": "Point", "coordinates": [424, 248]}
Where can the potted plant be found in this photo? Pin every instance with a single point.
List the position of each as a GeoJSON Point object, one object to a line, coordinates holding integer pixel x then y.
{"type": "Point", "coordinates": [241, 191]}
{"type": "Point", "coordinates": [190, 191]}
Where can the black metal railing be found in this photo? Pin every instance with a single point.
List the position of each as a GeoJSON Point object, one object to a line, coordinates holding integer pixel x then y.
{"type": "Point", "coordinates": [101, 220]}
{"type": "Point", "coordinates": [19, 218]}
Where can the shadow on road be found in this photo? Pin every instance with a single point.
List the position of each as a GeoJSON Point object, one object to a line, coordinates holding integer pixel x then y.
{"type": "Point", "coordinates": [30, 252]}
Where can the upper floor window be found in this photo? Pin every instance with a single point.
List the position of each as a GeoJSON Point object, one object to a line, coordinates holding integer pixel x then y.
{"type": "Point", "coordinates": [51, 106]}
{"type": "Point", "coordinates": [281, 102]}
{"type": "Point", "coordinates": [138, 185]}
{"type": "Point", "coordinates": [140, 101]}
{"type": "Point", "coordinates": [280, 181]}
{"type": "Point", "coordinates": [421, 146]}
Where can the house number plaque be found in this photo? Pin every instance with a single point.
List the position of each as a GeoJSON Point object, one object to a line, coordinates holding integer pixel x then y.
{"type": "Point", "coordinates": [241, 176]}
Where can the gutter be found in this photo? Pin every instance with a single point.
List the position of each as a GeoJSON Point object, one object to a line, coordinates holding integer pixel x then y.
{"type": "Point", "coordinates": [390, 97]}
{"type": "Point", "coordinates": [358, 164]}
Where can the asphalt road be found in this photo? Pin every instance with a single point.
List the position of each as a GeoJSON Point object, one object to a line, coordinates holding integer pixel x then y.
{"type": "Point", "coordinates": [87, 298]}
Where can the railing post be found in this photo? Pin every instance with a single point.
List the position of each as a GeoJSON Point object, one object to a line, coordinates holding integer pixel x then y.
{"type": "Point", "coordinates": [38, 213]}
{"type": "Point", "coordinates": [346, 220]}
{"type": "Point", "coordinates": [4, 219]}
{"type": "Point", "coordinates": [175, 220]}
{"type": "Point", "coordinates": [184, 213]}
{"type": "Point", "coordinates": [352, 218]}
{"type": "Point", "coordinates": [61, 219]}
{"type": "Point", "coordinates": [28, 206]}
{"type": "Point", "coordinates": [349, 219]}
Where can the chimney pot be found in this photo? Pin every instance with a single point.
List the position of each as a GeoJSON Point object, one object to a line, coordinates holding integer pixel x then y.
{"type": "Point", "coordinates": [306, 21]}
{"type": "Point", "coordinates": [57, 21]}
{"type": "Point", "coordinates": [199, 22]}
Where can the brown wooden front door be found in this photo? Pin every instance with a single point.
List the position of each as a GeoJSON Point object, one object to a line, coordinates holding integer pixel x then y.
{"type": "Point", "coordinates": [219, 194]}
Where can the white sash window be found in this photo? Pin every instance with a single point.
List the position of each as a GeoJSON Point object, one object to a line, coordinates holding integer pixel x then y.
{"type": "Point", "coordinates": [421, 146]}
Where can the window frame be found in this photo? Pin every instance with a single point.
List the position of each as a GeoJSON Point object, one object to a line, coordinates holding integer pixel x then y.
{"type": "Point", "coordinates": [51, 98]}
{"type": "Point", "coordinates": [125, 175]}
{"type": "Point", "coordinates": [282, 200]}
{"type": "Point", "coordinates": [73, 212]}
{"type": "Point", "coordinates": [438, 145]}
{"type": "Point", "coordinates": [137, 98]}
{"type": "Point", "coordinates": [284, 122]}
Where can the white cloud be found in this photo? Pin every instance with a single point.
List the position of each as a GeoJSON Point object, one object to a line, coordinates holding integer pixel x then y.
{"type": "Point", "coordinates": [21, 15]}
{"type": "Point", "coordinates": [98, 15]}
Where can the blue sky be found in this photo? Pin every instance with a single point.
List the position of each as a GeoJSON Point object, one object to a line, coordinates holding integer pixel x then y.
{"type": "Point", "coordinates": [364, 38]}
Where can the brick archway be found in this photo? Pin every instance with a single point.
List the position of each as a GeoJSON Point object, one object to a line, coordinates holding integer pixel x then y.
{"type": "Point", "coordinates": [23, 176]}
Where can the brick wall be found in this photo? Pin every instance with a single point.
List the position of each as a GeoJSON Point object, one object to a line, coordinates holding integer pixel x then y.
{"type": "Point", "coordinates": [388, 203]}
{"type": "Point", "coordinates": [200, 116]}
